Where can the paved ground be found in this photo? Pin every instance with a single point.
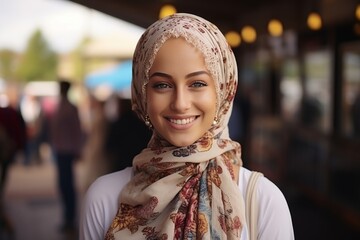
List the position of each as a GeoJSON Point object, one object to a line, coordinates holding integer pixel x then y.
{"type": "Point", "coordinates": [32, 203]}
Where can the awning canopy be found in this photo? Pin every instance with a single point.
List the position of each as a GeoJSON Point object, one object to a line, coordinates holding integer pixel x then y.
{"type": "Point", "coordinates": [111, 47]}
{"type": "Point", "coordinates": [117, 79]}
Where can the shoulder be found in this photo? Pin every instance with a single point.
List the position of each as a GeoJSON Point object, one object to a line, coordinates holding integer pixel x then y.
{"type": "Point", "coordinates": [266, 189]}
{"type": "Point", "coordinates": [101, 203]}
{"type": "Point", "coordinates": [274, 214]}
{"type": "Point", "coordinates": [107, 183]}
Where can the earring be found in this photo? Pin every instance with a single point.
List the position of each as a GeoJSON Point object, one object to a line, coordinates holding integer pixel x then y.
{"type": "Point", "coordinates": [147, 121]}
{"type": "Point", "coordinates": [215, 122]}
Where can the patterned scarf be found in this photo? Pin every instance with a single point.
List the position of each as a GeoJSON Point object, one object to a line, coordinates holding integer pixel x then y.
{"type": "Point", "coordinates": [184, 192]}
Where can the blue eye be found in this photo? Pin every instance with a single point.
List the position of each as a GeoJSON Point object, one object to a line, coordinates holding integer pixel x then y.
{"type": "Point", "coordinates": [198, 84]}
{"type": "Point", "coordinates": [160, 85]}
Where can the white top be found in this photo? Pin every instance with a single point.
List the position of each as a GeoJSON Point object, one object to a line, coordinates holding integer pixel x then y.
{"type": "Point", "coordinates": [102, 199]}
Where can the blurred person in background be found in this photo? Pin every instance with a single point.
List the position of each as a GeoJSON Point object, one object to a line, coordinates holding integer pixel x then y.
{"type": "Point", "coordinates": [13, 134]}
{"type": "Point", "coordinates": [13, 95]}
{"type": "Point", "coordinates": [12, 142]}
{"type": "Point", "coordinates": [95, 163]}
{"type": "Point", "coordinates": [126, 137]}
{"type": "Point", "coordinates": [116, 136]}
{"type": "Point", "coordinates": [33, 116]}
{"type": "Point", "coordinates": [66, 139]}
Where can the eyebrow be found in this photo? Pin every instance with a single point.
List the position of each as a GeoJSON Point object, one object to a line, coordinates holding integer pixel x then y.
{"type": "Point", "coordinates": [193, 74]}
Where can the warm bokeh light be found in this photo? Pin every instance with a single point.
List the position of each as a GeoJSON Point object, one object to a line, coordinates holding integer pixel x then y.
{"type": "Point", "coordinates": [248, 34]}
{"type": "Point", "coordinates": [314, 21]}
{"type": "Point", "coordinates": [233, 38]}
{"type": "Point", "coordinates": [275, 28]}
{"type": "Point", "coordinates": [167, 10]}
{"type": "Point", "coordinates": [357, 12]}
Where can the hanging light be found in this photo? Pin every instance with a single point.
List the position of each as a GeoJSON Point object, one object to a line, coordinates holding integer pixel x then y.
{"type": "Point", "coordinates": [275, 28]}
{"type": "Point", "coordinates": [248, 34]}
{"type": "Point", "coordinates": [314, 21]}
{"type": "Point", "coordinates": [233, 38]}
{"type": "Point", "coordinates": [167, 10]}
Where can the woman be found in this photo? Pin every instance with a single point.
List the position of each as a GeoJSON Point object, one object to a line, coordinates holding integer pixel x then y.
{"type": "Point", "coordinates": [189, 182]}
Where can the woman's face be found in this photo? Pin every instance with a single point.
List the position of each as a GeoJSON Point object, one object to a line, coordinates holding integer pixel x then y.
{"type": "Point", "coordinates": [181, 96]}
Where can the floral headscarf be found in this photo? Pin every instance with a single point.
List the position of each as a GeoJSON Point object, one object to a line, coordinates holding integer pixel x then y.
{"type": "Point", "coordinates": [184, 192]}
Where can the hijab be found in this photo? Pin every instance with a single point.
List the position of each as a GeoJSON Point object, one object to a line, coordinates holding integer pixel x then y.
{"type": "Point", "coordinates": [184, 192]}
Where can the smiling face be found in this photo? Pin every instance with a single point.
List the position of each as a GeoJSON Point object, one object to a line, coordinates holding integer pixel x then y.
{"type": "Point", "coordinates": [181, 95]}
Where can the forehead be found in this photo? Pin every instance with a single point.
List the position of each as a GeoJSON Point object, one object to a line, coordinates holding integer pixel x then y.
{"type": "Point", "coordinates": [174, 43]}
{"type": "Point", "coordinates": [177, 52]}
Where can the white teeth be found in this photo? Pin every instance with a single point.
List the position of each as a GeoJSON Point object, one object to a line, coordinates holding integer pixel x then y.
{"type": "Point", "coordinates": [182, 121]}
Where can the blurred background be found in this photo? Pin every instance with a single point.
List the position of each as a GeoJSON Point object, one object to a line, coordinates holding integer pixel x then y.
{"type": "Point", "coordinates": [296, 114]}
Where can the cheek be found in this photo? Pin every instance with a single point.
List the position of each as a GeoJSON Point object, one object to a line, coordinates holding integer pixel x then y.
{"type": "Point", "coordinates": [154, 103]}
{"type": "Point", "coordinates": [208, 102]}
{"type": "Point", "coordinates": [149, 103]}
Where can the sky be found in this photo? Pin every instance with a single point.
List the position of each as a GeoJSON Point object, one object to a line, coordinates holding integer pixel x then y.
{"type": "Point", "coordinates": [63, 24]}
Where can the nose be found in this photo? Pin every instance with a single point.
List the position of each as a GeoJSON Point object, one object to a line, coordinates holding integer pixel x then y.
{"type": "Point", "coordinates": [181, 101]}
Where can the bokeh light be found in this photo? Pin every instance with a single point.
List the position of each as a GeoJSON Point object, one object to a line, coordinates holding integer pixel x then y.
{"type": "Point", "coordinates": [233, 38]}
{"type": "Point", "coordinates": [248, 34]}
{"type": "Point", "coordinates": [167, 10]}
{"type": "Point", "coordinates": [275, 28]}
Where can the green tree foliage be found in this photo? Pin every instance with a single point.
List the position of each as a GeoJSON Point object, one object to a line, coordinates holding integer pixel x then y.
{"type": "Point", "coordinates": [38, 62]}
{"type": "Point", "coordinates": [79, 61]}
{"type": "Point", "coordinates": [7, 63]}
